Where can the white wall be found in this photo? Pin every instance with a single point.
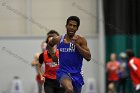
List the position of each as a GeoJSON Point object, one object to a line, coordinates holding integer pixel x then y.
{"type": "Point", "coordinates": [12, 66]}
{"type": "Point", "coordinates": [26, 47]}
{"type": "Point", "coordinates": [53, 14]}
{"type": "Point", "coordinates": [12, 23]}
{"type": "Point", "coordinates": [46, 14]}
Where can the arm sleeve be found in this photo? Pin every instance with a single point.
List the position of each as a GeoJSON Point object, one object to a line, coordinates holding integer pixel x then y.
{"type": "Point", "coordinates": [135, 68]}
{"type": "Point", "coordinates": [41, 58]}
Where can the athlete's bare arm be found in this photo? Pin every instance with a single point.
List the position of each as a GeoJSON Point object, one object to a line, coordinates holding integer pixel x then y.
{"type": "Point", "coordinates": [39, 69]}
{"type": "Point", "coordinates": [35, 61]}
{"type": "Point", "coordinates": [81, 45]}
{"type": "Point", "coordinates": [51, 43]}
{"type": "Point", "coordinates": [40, 72]}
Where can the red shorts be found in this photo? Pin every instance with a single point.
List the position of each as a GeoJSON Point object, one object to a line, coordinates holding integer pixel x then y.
{"type": "Point", "coordinates": [38, 79]}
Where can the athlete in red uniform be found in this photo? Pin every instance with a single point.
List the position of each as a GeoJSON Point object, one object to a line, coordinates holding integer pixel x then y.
{"type": "Point", "coordinates": [50, 85]}
{"type": "Point", "coordinates": [134, 66]}
{"type": "Point", "coordinates": [35, 63]}
{"type": "Point", "coordinates": [112, 70]}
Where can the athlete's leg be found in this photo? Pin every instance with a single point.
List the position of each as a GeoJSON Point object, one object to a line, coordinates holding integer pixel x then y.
{"type": "Point", "coordinates": [67, 84]}
{"type": "Point", "coordinates": [77, 90]}
{"type": "Point", "coordinates": [39, 87]}
{"type": "Point", "coordinates": [59, 90]}
{"type": "Point", "coordinates": [111, 88]}
{"type": "Point", "coordinates": [48, 86]}
{"type": "Point", "coordinates": [77, 82]}
{"type": "Point", "coordinates": [77, 87]}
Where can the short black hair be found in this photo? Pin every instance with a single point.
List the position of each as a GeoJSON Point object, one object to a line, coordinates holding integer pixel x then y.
{"type": "Point", "coordinates": [52, 32]}
{"type": "Point", "coordinates": [74, 18]}
{"type": "Point", "coordinates": [130, 53]}
{"type": "Point", "coordinates": [49, 34]}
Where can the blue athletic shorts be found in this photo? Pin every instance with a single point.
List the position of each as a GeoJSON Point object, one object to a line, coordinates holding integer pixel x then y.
{"type": "Point", "coordinates": [77, 79]}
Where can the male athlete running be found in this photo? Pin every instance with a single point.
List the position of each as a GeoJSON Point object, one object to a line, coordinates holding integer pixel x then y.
{"type": "Point", "coordinates": [72, 49]}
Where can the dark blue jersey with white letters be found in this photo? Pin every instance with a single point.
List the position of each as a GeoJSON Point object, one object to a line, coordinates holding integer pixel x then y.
{"type": "Point", "coordinates": [70, 60]}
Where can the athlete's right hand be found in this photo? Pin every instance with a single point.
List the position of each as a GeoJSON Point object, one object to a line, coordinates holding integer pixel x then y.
{"type": "Point", "coordinates": [75, 39]}
{"type": "Point", "coordinates": [42, 79]}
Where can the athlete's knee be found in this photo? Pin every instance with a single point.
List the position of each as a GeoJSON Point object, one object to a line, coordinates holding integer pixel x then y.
{"type": "Point", "coordinates": [67, 84]}
{"type": "Point", "coordinates": [69, 89]}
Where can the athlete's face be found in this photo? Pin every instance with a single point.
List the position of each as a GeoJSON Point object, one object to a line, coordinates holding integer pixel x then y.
{"type": "Point", "coordinates": [113, 57]}
{"type": "Point", "coordinates": [71, 28]}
